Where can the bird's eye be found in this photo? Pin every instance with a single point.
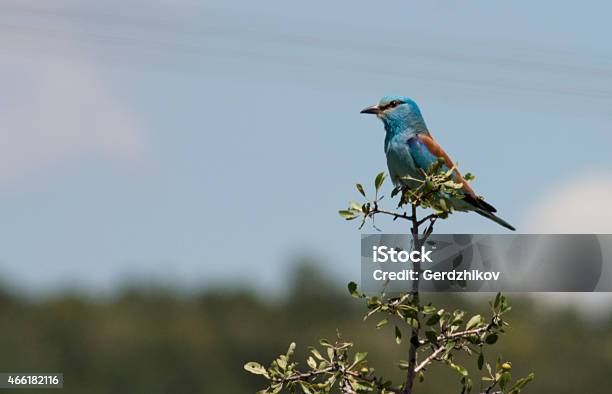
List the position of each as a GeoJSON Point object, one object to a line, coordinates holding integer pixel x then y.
{"type": "Point", "coordinates": [395, 103]}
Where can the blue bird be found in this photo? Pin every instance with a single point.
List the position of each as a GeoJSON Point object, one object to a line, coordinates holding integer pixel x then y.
{"type": "Point", "coordinates": [410, 148]}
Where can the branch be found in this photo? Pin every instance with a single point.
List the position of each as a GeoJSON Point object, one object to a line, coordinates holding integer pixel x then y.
{"type": "Point", "coordinates": [432, 218]}
{"type": "Point", "coordinates": [414, 337]}
{"type": "Point", "coordinates": [345, 386]}
{"type": "Point", "coordinates": [465, 333]}
{"type": "Point", "coordinates": [489, 389]}
{"type": "Point", "coordinates": [443, 339]}
{"type": "Point", "coordinates": [304, 375]}
{"type": "Point", "coordinates": [395, 215]}
{"type": "Point", "coordinates": [435, 180]}
{"type": "Point", "coordinates": [297, 376]}
{"type": "Point", "coordinates": [429, 359]}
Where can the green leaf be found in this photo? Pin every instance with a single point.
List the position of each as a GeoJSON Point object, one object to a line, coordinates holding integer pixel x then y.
{"type": "Point", "coordinates": [291, 350]}
{"type": "Point", "coordinates": [505, 378]}
{"type": "Point", "coordinates": [360, 189]}
{"type": "Point", "coordinates": [382, 323]}
{"type": "Point", "coordinates": [442, 203]}
{"type": "Point", "coordinates": [353, 206]}
{"type": "Point", "coordinates": [497, 300]}
{"type": "Point", "coordinates": [306, 387]}
{"type": "Point", "coordinates": [352, 288]}
{"type": "Point", "coordinates": [255, 368]}
{"type": "Point", "coordinates": [433, 320]}
{"type": "Point", "coordinates": [453, 185]}
{"type": "Point", "coordinates": [348, 214]}
{"type": "Point", "coordinates": [473, 322]}
{"type": "Point", "coordinates": [431, 336]}
{"type": "Point", "coordinates": [403, 364]}
{"type": "Point", "coordinates": [461, 370]}
{"type": "Point", "coordinates": [480, 361]}
{"type": "Point", "coordinates": [428, 309]}
{"type": "Point", "coordinates": [491, 339]}
{"type": "Point", "coordinates": [457, 318]}
{"type": "Point", "coordinates": [311, 362]}
{"type": "Point", "coordinates": [421, 377]}
{"type": "Point", "coordinates": [330, 353]}
{"type": "Point", "coordinates": [467, 384]}
{"type": "Point", "coordinates": [330, 381]}
{"type": "Point", "coordinates": [282, 362]}
{"type": "Point", "coordinates": [520, 383]}
{"type": "Point", "coordinates": [359, 357]}
{"type": "Point", "coordinates": [449, 172]}
{"type": "Point", "coordinates": [398, 335]}
{"type": "Point", "coordinates": [380, 178]}
{"type": "Point", "coordinates": [316, 353]}
{"type": "Point", "coordinates": [361, 386]}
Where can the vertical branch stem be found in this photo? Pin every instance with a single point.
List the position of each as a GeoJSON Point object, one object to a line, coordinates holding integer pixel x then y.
{"type": "Point", "coordinates": [417, 245]}
{"type": "Point", "coordinates": [414, 336]}
{"type": "Point", "coordinates": [418, 242]}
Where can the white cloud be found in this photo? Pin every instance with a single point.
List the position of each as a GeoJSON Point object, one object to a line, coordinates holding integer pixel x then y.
{"type": "Point", "coordinates": [578, 206]}
{"type": "Point", "coordinates": [56, 109]}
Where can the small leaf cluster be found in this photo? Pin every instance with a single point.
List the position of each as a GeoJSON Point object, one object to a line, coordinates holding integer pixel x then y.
{"type": "Point", "coordinates": [500, 379]}
{"type": "Point", "coordinates": [435, 189]}
{"type": "Point", "coordinates": [368, 208]}
{"type": "Point", "coordinates": [331, 366]}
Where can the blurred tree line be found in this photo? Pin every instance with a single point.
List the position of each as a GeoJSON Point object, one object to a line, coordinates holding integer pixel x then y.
{"type": "Point", "coordinates": [155, 340]}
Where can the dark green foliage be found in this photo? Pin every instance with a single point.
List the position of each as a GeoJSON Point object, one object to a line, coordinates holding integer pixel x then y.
{"type": "Point", "coordinates": [159, 341]}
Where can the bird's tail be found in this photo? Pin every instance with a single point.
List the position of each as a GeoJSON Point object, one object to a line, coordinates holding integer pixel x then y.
{"type": "Point", "coordinates": [496, 219]}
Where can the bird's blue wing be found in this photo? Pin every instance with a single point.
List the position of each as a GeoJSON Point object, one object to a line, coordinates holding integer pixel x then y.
{"type": "Point", "coordinates": [422, 156]}
{"type": "Point", "coordinates": [425, 151]}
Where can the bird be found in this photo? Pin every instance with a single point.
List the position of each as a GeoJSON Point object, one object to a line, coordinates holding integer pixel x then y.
{"type": "Point", "coordinates": [411, 149]}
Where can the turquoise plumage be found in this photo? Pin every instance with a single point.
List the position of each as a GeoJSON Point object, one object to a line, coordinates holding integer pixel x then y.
{"type": "Point", "coordinates": [410, 148]}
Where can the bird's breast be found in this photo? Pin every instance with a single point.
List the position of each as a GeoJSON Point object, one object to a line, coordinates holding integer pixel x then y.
{"type": "Point", "coordinates": [399, 160]}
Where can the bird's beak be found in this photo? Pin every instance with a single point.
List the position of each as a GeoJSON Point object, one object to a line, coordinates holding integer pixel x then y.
{"type": "Point", "coordinates": [371, 110]}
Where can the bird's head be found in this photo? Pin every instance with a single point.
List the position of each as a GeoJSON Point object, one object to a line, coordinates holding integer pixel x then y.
{"type": "Point", "coordinates": [398, 114]}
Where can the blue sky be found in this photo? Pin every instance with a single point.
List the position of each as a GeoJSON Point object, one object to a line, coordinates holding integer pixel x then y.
{"type": "Point", "coordinates": [211, 144]}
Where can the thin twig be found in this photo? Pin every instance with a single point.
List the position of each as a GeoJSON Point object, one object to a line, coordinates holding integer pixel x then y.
{"type": "Point", "coordinates": [431, 218]}
{"type": "Point", "coordinates": [390, 213]}
{"type": "Point", "coordinates": [429, 359]}
{"type": "Point", "coordinates": [443, 339]}
{"type": "Point", "coordinates": [491, 387]}
{"type": "Point", "coordinates": [306, 376]}
{"type": "Point", "coordinates": [465, 333]}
